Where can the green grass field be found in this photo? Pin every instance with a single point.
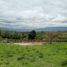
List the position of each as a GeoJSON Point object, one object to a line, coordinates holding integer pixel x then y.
{"type": "Point", "coordinates": [47, 55]}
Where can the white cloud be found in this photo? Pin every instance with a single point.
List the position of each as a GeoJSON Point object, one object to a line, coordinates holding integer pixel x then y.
{"type": "Point", "coordinates": [33, 13]}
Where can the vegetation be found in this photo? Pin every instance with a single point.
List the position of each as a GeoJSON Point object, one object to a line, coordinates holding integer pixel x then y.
{"type": "Point", "coordinates": [6, 36]}
{"type": "Point", "coordinates": [54, 55]}
{"type": "Point", "coordinates": [32, 35]}
{"type": "Point", "coordinates": [51, 37]}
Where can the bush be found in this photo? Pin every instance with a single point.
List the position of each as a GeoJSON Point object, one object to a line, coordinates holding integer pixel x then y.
{"type": "Point", "coordinates": [64, 63]}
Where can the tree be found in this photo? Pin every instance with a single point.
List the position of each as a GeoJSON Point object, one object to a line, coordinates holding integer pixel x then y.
{"type": "Point", "coordinates": [32, 35]}
{"type": "Point", "coordinates": [50, 37]}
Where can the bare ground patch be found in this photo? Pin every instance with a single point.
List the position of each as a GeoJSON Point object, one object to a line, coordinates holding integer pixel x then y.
{"type": "Point", "coordinates": [30, 43]}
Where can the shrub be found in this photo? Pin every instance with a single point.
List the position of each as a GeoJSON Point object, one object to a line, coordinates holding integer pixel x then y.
{"type": "Point", "coordinates": [64, 63]}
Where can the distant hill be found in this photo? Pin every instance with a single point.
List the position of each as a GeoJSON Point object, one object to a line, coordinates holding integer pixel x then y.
{"type": "Point", "coordinates": [16, 30]}
{"type": "Point", "coordinates": [47, 29]}
{"type": "Point", "coordinates": [53, 29]}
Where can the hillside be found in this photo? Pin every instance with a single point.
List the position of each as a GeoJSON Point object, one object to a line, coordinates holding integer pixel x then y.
{"type": "Point", "coordinates": [47, 29]}
{"type": "Point", "coordinates": [52, 29]}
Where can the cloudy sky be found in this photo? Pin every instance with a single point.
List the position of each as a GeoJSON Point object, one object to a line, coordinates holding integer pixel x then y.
{"type": "Point", "coordinates": [19, 14]}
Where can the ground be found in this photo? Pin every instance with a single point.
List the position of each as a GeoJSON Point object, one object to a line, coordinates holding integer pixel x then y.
{"type": "Point", "coordinates": [46, 55]}
{"type": "Point", "coordinates": [29, 43]}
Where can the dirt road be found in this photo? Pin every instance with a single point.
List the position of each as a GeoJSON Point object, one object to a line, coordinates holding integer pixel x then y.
{"type": "Point", "coordinates": [31, 43]}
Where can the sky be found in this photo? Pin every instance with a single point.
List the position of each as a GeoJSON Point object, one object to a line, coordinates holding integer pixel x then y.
{"type": "Point", "coordinates": [18, 14]}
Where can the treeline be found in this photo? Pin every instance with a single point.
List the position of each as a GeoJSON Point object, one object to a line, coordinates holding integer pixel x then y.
{"type": "Point", "coordinates": [12, 36]}
{"type": "Point", "coordinates": [32, 35]}
{"type": "Point", "coordinates": [6, 36]}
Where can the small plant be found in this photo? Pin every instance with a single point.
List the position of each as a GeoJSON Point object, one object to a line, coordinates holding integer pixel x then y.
{"type": "Point", "coordinates": [32, 60]}
{"type": "Point", "coordinates": [40, 55]}
{"type": "Point", "coordinates": [20, 58]}
{"type": "Point", "coordinates": [7, 63]}
{"type": "Point", "coordinates": [64, 63]}
{"type": "Point", "coordinates": [0, 63]}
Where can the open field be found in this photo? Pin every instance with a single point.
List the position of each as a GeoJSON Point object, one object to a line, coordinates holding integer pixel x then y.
{"type": "Point", "coordinates": [47, 55]}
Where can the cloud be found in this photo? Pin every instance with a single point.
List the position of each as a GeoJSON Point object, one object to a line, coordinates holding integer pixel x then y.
{"type": "Point", "coordinates": [33, 13]}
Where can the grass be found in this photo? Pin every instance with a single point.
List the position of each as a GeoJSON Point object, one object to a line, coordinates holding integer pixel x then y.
{"type": "Point", "coordinates": [54, 55]}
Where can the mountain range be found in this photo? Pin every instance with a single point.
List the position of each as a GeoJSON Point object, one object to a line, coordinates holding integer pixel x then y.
{"type": "Point", "coordinates": [47, 29]}
{"type": "Point", "coordinates": [52, 29]}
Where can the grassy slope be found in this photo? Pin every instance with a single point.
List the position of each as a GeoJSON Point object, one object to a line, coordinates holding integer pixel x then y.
{"type": "Point", "coordinates": [54, 55]}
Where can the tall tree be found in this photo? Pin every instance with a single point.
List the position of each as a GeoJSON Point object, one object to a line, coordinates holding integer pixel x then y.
{"type": "Point", "coordinates": [32, 35]}
{"type": "Point", "coordinates": [50, 37]}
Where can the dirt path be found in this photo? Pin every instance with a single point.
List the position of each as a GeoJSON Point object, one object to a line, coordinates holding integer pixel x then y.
{"type": "Point", "coordinates": [31, 43]}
